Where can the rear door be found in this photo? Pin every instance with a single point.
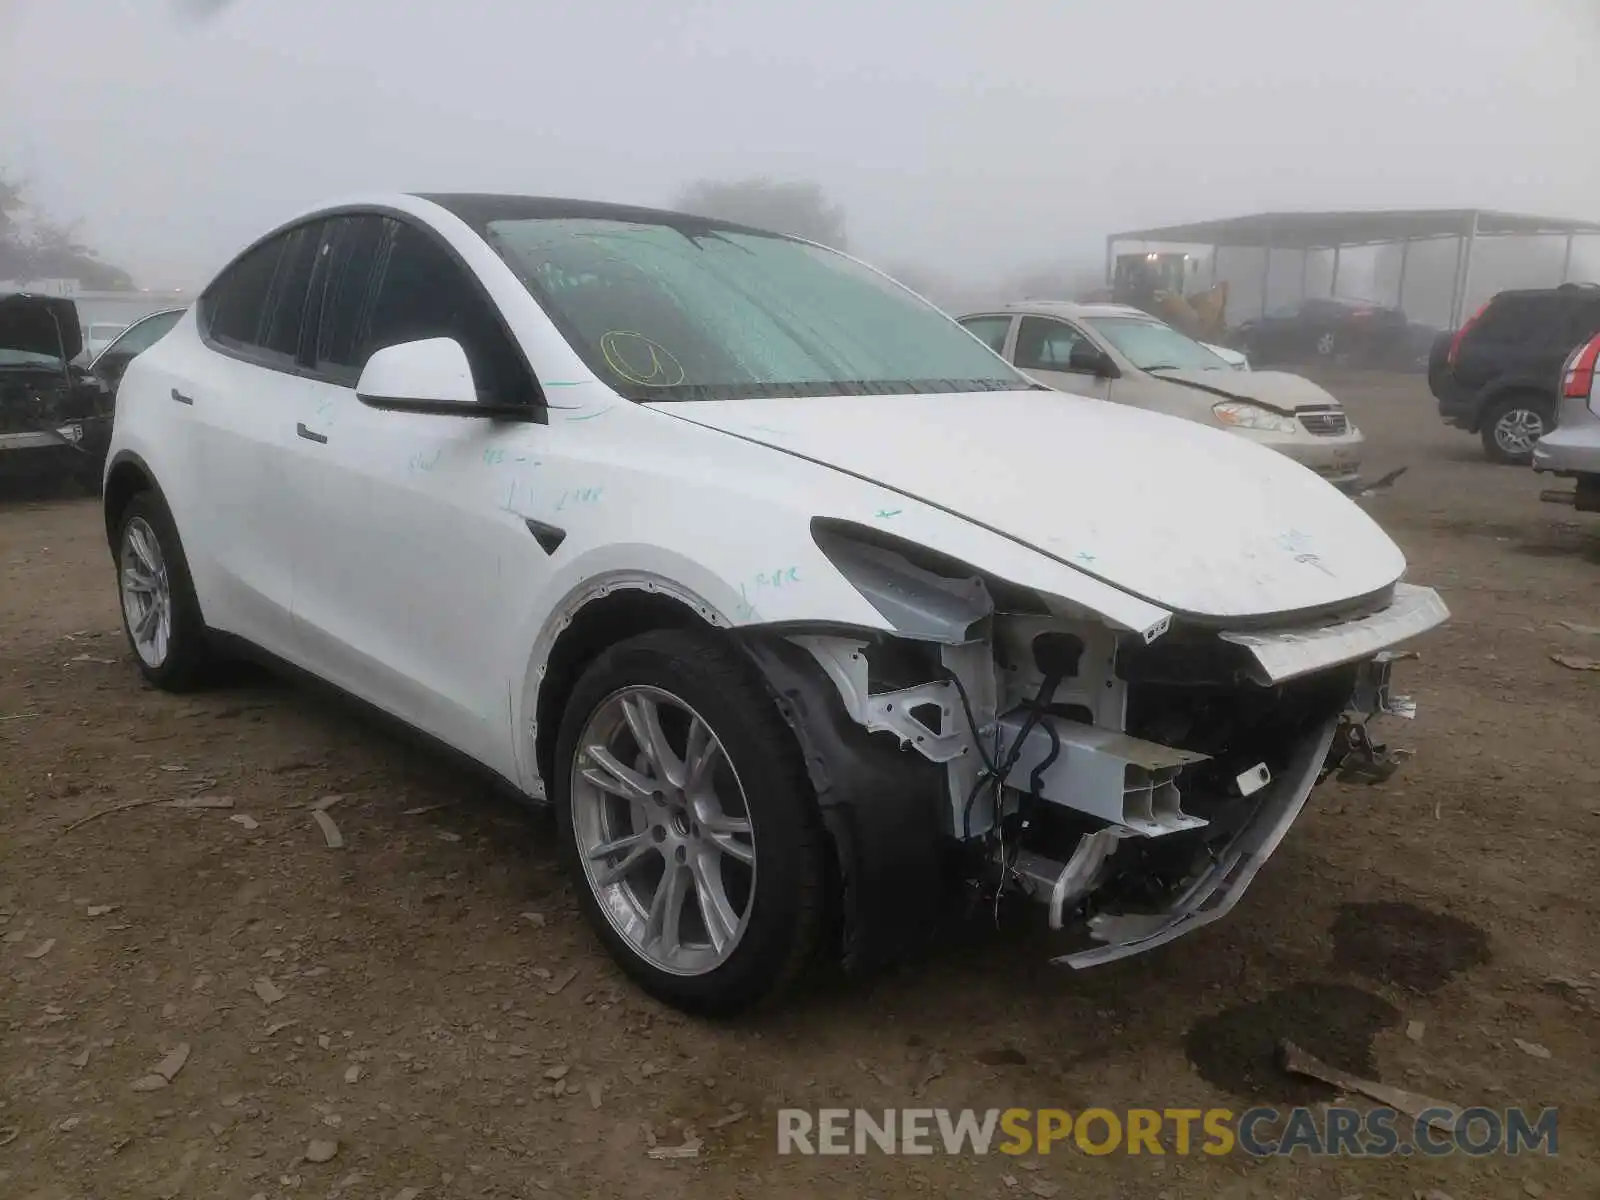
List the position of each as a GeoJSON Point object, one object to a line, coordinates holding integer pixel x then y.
{"type": "Point", "coordinates": [1044, 350]}
{"type": "Point", "coordinates": [994, 331]}
{"type": "Point", "coordinates": [246, 396]}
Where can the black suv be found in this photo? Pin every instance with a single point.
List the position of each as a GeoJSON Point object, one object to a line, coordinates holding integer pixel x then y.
{"type": "Point", "coordinates": [1498, 375]}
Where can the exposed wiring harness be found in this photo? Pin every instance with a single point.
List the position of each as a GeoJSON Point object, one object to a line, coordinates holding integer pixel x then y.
{"type": "Point", "coordinates": [994, 773]}
{"type": "Point", "coordinates": [1057, 657]}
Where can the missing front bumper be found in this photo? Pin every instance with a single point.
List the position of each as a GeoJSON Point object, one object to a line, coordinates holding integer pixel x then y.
{"type": "Point", "coordinates": [1340, 744]}
{"type": "Point", "coordinates": [1213, 894]}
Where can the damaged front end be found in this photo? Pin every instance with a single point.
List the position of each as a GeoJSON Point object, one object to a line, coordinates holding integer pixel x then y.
{"type": "Point", "coordinates": [1130, 781]}
{"type": "Point", "coordinates": [55, 418]}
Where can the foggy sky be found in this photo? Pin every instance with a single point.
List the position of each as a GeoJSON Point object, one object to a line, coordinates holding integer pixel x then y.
{"type": "Point", "coordinates": [974, 139]}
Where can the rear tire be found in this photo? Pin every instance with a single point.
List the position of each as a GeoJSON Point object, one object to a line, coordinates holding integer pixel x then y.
{"type": "Point", "coordinates": [160, 614]}
{"type": "Point", "coordinates": [1512, 424]}
{"type": "Point", "coordinates": [750, 799]}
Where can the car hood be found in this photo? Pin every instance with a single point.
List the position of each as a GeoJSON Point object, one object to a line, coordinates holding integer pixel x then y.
{"type": "Point", "coordinates": [1277, 390]}
{"type": "Point", "coordinates": [1196, 520]}
{"type": "Point", "coordinates": [40, 325]}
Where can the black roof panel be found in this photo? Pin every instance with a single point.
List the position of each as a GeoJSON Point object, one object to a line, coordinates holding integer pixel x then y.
{"type": "Point", "coordinates": [477, 209]}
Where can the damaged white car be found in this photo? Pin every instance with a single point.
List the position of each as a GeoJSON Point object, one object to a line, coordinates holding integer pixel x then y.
{"type": "Point", "coordinates": [797, 603]}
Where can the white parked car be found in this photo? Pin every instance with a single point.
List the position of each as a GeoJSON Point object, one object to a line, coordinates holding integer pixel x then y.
{"type": "Point", "coordinates": [99, 335]}
{"type": "Point", "coordinates": [789, 595]}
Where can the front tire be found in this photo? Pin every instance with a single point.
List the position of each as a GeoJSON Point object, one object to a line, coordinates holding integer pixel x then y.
{"type": "Point", "coordinates": [160, 614]}
{"type": "Point", "coordinates": [1512, 425]}
{"type": "Point", "coordinates": [689, 824]}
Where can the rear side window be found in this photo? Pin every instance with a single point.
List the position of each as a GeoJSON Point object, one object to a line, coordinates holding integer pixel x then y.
{"type": "Point", "coordinates": [286, 302]}
{"type": "Point", "coordinates": [138, 338]}
{"type": "Point", "coordinates": [258, 305]}
{"type": "Point", "coordinates": [1526, 318]}
{"type": "Point", "coordinates": [1583, 319]}
{"type": "Point", "coordinates": [1324, 310]}
{"type": "Point", "coordinates": [347, 292]}
{"type": "Point", "coordinates": [232, 307]}
{"type": "Point", "coordinates": [991, 331]}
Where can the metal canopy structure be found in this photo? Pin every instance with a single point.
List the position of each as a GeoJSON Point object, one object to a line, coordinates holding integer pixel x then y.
{"type": "Point", "coordinates": [1305, 232]}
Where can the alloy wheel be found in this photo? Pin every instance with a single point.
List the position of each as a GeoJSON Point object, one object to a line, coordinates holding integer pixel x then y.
{"type": "Point", "coordinates": [663, 830]}
{"type": "Point", "coordinates": [146, 592]}
{"type": "Point", "coordinates": [1517, 430]}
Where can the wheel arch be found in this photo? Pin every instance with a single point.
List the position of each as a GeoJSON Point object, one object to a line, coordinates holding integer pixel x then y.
{"type": "Point", "coordinates": [591, 623]}
{"type": "Point", "coordinates": [1503, 389]}
{"type": "Point", "coordinates": [126, 477]}
{"type": "Point", "coordinates": [879, 806]}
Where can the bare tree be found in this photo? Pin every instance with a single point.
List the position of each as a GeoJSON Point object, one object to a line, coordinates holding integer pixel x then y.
{"type": "Point", "coordinates": [797, 209]}
{"type": "Point", "coordinates": [33, 246]}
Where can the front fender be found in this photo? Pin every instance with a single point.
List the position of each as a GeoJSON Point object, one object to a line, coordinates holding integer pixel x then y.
{"type": "Point", "coordinates": [800, 587]}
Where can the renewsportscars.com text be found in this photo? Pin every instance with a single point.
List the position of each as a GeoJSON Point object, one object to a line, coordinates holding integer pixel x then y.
{"type": "Point", "coordinates": [1259, 1132]}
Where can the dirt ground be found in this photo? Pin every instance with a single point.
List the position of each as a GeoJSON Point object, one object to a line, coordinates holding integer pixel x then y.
{"type": "Point", "coordinates": [427, 998]}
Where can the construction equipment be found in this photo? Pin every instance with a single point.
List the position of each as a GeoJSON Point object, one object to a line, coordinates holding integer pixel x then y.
{"type": "Point", "coordinates": [1159, 283]}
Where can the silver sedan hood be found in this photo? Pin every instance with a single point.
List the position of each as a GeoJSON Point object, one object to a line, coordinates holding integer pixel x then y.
{"type": "Point", "coordinates": [1277, 390]}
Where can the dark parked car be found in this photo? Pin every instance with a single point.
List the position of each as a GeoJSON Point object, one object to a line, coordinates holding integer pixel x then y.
{"type": "Point", "coordinates": [1337, 331]}
{"type": "Point", "coordinates": [1497, 376]}
{"type": "Point", "coordinates": [55, 416]}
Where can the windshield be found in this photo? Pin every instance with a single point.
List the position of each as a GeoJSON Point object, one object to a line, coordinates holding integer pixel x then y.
{"type": "Point", "coordinates": [1152, 346]}
{"type": "Point", "coordinates": [662, 313]}
{"type": "Point", "coordinates": [142, 334]}
{"type": "Point", "coordinates": [26, 358]}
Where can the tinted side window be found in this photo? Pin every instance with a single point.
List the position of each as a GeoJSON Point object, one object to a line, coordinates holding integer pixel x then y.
{"type": "Point", "coordinates": [286, 302]}
{"type": "Point", "coordinates": [991, 331]}
{"type": "Point", "coordinates": [424, 293]}
{"type": "Point", "coordinates": [347, 294]}
{"type": "Point", "coordinates": [1044, 345]}
{"type": "Point", "coordinates": [1583, 319]}
{"type": "Point", "coordinates": [138, 338]}
{"type": "Point", "coordinates": [232, 308]}
{"type": "Point", "coordinates": [1525, 318]}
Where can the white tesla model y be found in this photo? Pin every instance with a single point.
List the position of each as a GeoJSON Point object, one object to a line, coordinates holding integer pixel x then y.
{"type": "Point", "coordinates": [796, 601]}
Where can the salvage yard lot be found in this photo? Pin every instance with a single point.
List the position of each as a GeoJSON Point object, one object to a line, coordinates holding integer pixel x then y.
{"type": "Point", "coordinates": [434, 1009]}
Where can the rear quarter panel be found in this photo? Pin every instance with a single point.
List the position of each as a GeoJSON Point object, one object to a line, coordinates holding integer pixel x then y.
{"type": "Point", "coordinates": [152, 427]}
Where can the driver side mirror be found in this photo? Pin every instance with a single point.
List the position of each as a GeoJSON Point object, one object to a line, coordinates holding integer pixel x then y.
{"type": "Point", "coordinates": [1089, 359]}
{"type": "Point", "coordinates": [431, 375]}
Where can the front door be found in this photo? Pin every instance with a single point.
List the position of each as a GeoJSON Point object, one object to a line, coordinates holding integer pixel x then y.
{"type": "Point", "coordinates": [416, 572]}
{"type": "Point", "coordinates": [1044, 351]}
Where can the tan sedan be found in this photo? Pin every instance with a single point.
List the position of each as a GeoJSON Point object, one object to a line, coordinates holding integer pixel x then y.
{"type": "Point", "coordinates": [1115, 353]}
